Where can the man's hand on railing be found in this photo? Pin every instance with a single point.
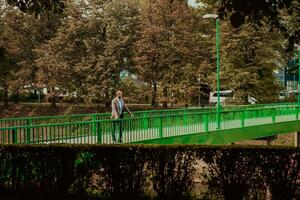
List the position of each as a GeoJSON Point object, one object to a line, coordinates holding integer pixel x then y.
{"type": "Point", "coordinates": [116, 117]}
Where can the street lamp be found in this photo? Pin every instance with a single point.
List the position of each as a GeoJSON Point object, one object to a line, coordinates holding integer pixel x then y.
{"type": "Point", "coordinates": [216, 17]}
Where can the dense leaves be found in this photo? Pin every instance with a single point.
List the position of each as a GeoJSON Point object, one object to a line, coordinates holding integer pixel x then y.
{"type": "Point", "coordinates": [249, 72]}
{"type": "Point", "coordinates": [38, 7]}
{"type": "Point", "coordinates": [260, 12]}
{"type": "Point", "coordinates": [167, 44]}
{"type": "Point", "coordinates": [148, 172]}
{"type": "Point", "coordinates": [79, 49]}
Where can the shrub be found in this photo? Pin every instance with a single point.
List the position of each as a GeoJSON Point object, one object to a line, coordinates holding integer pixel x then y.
{"type": "Point", "coordinates": [147, 172]}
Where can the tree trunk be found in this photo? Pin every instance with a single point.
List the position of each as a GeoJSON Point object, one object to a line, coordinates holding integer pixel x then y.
{"type": "Point", "coordinates": [108, 101]}
{"type": "Point", "coordinates": [154, 93]}
{"type": "Point", "coordinates": [245, 99]}
{"type": "Point", "coordinates": [53, 101]}
{"type": "Point", "coordinates": [186, 101]}
{"type": "Point", "coordinates": [5, 95]}
{"type": "Point", "coordinates": [165, 103]}
{"type": "Point", "coordinates": [52, 98]}
{"type": "Point", "coordinates": [16, 97]}
{"type": "Point", "coordinates": [186, 104]}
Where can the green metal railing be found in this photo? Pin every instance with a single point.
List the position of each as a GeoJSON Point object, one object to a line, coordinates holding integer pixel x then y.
{"type": "Point", "coordinates": [144, 127]}
{"type": "Point", "coordinates": [27, 121]}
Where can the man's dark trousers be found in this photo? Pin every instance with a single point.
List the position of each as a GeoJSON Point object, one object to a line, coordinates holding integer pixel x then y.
{"type": "Point", "coordinates": [117, 122]}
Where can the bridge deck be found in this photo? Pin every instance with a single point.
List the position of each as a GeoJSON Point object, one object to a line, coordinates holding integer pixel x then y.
{"type": "Point", "coordinates": [137, 136]}
{"type": "Point", "coordinates": [161, 128]}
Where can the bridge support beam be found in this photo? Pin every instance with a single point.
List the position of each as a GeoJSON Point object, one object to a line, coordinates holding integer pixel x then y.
{"type": "Point", "coordinates": [297, 139]}
{"type": "Point", "coordinates": [228, 136]}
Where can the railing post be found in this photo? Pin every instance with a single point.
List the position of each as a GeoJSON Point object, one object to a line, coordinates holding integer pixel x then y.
{"type": "Point", "coordinates": [28, 124]}
{"type": "Point", "coordinates": [99, 133]}
{"type": "Point", "coordinates": [185, 118]}
{"type": "Point", "coordinates": [145, 121]}
{"type": "Point", "coordinates": [218, 120]}
{"type": "Point", "coordinates": [205, 122]}
{"type": "Point", "coordinates": [94, 125]}
{"type": "Point", "coordinates": [14, 136]}
{"type": "Point", "coordinates": [161, 127]}
{"type": "Point", "coordinates": [273, 116]}
{"type": "Point", "coordinates": [243, 119]}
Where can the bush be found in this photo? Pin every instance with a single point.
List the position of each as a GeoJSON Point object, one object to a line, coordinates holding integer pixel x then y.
{"type": "Point", "coordinates": [148, 172]}
{"type": "Point", "coordinates": [1, 95]}
{"type": "Point", "coordinates": [28, 97]}
{"type": "Point", "coordinates": [36, 172]}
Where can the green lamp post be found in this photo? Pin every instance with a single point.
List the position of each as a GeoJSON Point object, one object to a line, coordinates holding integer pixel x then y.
{"type": "Point", "coordinates": [216, 18]}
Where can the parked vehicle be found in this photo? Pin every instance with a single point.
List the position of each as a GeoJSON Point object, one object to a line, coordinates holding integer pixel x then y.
{"type": "Point", "coordinates": [291, 95]}
{"type": "Point", "coordinates": [282, 95]}
{"type": "Point", "coordinates": [226, 96]}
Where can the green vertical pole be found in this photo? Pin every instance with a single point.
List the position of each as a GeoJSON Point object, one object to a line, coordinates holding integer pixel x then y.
{"type": "Point", "coordinates": [28, 124]}
{"type": "Point", "coordinates": [218, 72]}
{"type": "Point", "coordinates": [14, 136]}
{"type": "Point", "coordinates": [185, 118]}
{"type": "Point", "coordinates": [99, 133]}
{"type": "Point", "coordinates": [205, 122]}
{"type": "Point", "coordinates": [273, 116]}
{"type": "Point", "coordinates": [299, 75]}
{"type": "Point", "coordinates": [94, 125]}
{"type": "Point", "coordinates": [145, 121]}
{"type": "Point", "coordinates": [243, 119]}
{"type": "Point", "coordinates": [160, 127]}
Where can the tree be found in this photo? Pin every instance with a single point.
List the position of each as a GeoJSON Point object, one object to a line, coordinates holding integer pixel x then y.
{"type": "Point", "coordinates": [167, 41]}
{"type": "Point", "coordinates": [121, 32]}
{"type": "Point", "coordinates": [260, 13]}
{"type": "Point", "coordinates": [136, 91]}
{"type": "Point", "coordinates": [249, 72]}
{"type": "Point", "coordinates": [22, 33]}
{"type": "Point", "coordinates": [90, 48]}
{"type": "Point", "coordinates": [290, 20]}
{"type": "Point", "coordinates": [38, 7]}
{"type": "Point", "coordinates": [7, 68]}
{"type": "Point", "coordinates": [58, 57]}
{"type": "Point", "coordinates": [8, 50]}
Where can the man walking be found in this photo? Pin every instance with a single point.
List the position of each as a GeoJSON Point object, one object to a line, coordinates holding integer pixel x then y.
{"type": "Point", "coordinates": [118, 108]}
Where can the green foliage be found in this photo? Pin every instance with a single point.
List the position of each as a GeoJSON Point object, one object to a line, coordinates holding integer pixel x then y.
{"type": "Point", "coordinates": [90, 48]}
{"type": "Point", "coordinates": [135, 90]}
{"type": "Point", "coordinates": [275, 13]}
{"type": "Point", "coordinates": [148, 172]}
{"type": "Point", "coordinates": [167, 45]}
{"type": "Point", "coordinates": [82, 46]}
{"type": "Point", "coordinates": [20, 35]}
{"type": "Point", "coordinates": [38, 7]}
{"type": "Point", "coordinates": [249, 72]}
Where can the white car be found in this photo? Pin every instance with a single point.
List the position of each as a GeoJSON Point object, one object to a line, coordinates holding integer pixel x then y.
{"type": "Point", "coordinates": [226, 95]}
{"type": "Point", "coordinates": [282, 95]}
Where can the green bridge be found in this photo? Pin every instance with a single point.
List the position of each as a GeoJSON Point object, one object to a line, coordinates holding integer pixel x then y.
{"type": "Point", "coordinates": [173, 126]}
